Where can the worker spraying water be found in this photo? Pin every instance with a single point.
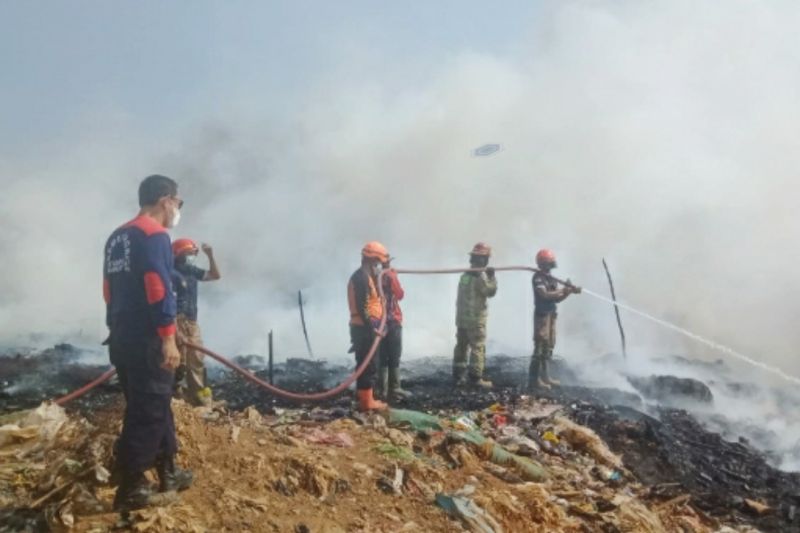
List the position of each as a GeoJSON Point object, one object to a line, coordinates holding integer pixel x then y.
{"type": "Point", "coordinates": [546, 296]}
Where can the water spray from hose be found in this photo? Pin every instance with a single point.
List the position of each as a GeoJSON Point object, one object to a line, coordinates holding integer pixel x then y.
{"type": "Point", "coordinates": [699, 338]}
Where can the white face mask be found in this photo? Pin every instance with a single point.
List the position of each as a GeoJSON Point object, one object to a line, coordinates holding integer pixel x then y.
{"type": "Point", "coordinates": [191, 260]}
{"type": "Point", "coordinates": [377, 268]}
{"type": "Point", "coordinates": [176, 217]}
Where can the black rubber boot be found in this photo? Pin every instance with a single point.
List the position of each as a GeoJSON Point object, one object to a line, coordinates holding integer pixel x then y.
{"type": "Point", "coordinates": [171, 477]}
{"type": "Point", "coordinates": [537, 373]}
{"type": "Point", "coordinates": [116, 469]}
{"type": "Point", "coordinates": [480, 383]}
{"type": "Point", "coordinates": [546, 373]}
{"type": "Point", "coordinates": [382, 385]}
{"type": "Point", "coordinates": [459, 376]}
{"type": "Point", "coordinates": [533, 373]}
{"type": "Point", "coordinates": [134, 492]}
{"type": "Point", "coordinates": [396, 392]}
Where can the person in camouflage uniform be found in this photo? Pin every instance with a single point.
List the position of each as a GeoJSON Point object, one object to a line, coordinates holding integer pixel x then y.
{"type": "Point", "coordinates": [474, 289]}
{"type": "Point", "coordinates": [546, 295]}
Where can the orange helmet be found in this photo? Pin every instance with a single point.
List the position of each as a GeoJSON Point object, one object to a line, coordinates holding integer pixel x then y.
{"type": "Point", "coordinates": [545, 258]}
{"type": "Point", "coordinates": [375, 250]}
{"type": "Point", "coordinates": [183, 247]}
{"type": "Point", "coordinates": [481, 249]}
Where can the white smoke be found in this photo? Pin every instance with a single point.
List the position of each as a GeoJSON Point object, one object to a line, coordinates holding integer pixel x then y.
{"type": "Point", "coordinates": [660, 136]}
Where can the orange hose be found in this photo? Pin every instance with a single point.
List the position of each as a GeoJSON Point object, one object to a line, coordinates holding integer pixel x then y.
{"type": "Point", "coordinates": [105, 376]}
{"type": "Point", "coordinates": [363, 366]}
{"type": "Point", "coordinates": [317, 395]}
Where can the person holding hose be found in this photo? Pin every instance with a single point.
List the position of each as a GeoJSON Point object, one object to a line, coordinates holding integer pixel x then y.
{"type": "Point", "coordinates": [366, 313]}
{"type": "Point", "coordinates": [546, 296]}
{"type": "Point", "coordinates": [140, 315]}
{"type": "Point", "coordinates": [474, 289]}
{"type": "Point", "coordinates": [392, 345]}
{"type": "Point", "coordinates": [185, 277]}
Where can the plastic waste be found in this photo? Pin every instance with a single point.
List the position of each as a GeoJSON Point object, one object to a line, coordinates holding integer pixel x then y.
{"type": "Point", "coordinates": [34, 427]}
{"type": "Point", "coordinates": [475, 518]}
{"type": "Point", "coordinates": [550, 436]}
{"type": "Point", "coordinates": [497, 408]}
{"type": "Point", "coordinates": [529, 470]}
{"type": "Point", "coordinates": [415, 420]}
{"type": "Point", "coordinates": [499, 421]}
{"type": "Point", "coordinates": [464, 423]}
{"type": "Point", "coordinates": [520, 445]}
{"type": "Point", "coordinates": [396, 452]}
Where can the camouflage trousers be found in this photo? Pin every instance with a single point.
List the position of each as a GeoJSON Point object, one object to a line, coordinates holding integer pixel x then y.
{"type": "Point", "coordinates": [191, 359]}
{"type": "Point", "coordinates": [544, 335]}
{"type": "Point", "coordinates": [469, 355]}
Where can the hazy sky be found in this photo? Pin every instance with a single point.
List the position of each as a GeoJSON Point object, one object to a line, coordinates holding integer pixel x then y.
{"type": "Point", "coordinates": [168, 63]}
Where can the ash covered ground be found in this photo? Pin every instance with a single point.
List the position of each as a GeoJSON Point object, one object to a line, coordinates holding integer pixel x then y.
{"type": "Point", "coordinates": [670, 429]}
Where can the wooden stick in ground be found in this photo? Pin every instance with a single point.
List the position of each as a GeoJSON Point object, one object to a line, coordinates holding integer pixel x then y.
{"type": "Point", "coordinates": [303, 321]}
{"type": "Point", "coordinates": [271, 380]}
{"type": "Point", "coordinates": [616, 308]}
{"type": "Point", "coordinates": [61, 487]}
{"type": "Point", "coordinates": [678, 500]}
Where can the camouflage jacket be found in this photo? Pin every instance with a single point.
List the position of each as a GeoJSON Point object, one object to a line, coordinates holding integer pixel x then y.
{"type": "Point", "coordinates": [473, 291]}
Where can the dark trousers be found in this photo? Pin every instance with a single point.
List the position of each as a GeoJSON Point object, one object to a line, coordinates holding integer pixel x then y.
{"type": "Point", "coordinates": [148, 428]}
{"type": "Point", "coordinates": [361, 338]}
{"type": "Point", "coordinates": [392, 347]}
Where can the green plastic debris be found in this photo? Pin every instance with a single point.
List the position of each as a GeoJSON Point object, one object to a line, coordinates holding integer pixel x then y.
{"type": "Point", "coordinates": [472, 437]}
{"type": "Point", "coordinates": [396, 452]}
{"type": "Point", "coordinates": [415, 420]}
{"type": "Point", "coordinates": [73, 467]}
{"type": "Point", "coordinates": [528, 469]}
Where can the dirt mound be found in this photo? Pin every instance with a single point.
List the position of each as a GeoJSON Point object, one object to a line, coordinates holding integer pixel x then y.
{"type": "Point", "coordinates": [408, 472]}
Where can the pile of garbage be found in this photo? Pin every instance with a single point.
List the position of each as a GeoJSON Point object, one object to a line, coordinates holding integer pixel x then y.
{"type": "Point", "coordinates": [530, 468]}
{"type": "Point", "coordinates": [52, 468]}
{"type": "Point", "coordinates": [579, 458]}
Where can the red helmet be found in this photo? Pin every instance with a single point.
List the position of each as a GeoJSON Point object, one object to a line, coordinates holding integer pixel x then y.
{"type": "Point", "coordinates": [375, 250]}
{"type": "Point", "coordinates": [184, 247]}
{"type": "Point", "coordinates": [545, 258]}
{"type": "Point", "coordinates": [481, 249]}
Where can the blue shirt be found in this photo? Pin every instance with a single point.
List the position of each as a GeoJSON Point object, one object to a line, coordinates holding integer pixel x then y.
{"type": "Point", "coordinates": [136, 281]}
{"type": "Point", "coordinates": [184, 281]}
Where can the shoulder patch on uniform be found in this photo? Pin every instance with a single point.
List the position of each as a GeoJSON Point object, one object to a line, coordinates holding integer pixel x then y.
{"type": "Point", "coordinates": [146, 224]}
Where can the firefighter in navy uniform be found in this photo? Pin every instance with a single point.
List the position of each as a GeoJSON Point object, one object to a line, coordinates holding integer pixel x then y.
{"type": "Point", "coordinates": [140, 314]}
